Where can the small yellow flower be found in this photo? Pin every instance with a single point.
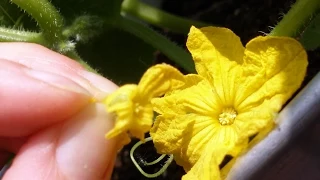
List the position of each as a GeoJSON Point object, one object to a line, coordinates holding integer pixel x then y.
{"type": "Point", "coordinates": [236, 94]}
{"type": "Point", "coordinates": [131, 103]}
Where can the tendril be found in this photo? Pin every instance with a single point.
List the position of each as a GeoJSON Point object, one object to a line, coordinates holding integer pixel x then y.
{"type": "Point", "coordinates": [158, 173]}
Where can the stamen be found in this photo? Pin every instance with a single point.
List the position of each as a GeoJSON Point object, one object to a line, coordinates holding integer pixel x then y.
{"type": "Point", "coordinates": [227, 116]}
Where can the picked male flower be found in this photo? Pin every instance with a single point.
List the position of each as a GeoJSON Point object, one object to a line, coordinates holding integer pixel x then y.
{"type": "Point", "coordinates": [131, 103]}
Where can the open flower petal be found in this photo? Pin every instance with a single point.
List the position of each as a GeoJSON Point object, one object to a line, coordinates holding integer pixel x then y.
{"type": "Point", "coordinates": [165, 142]}
{"type": "Point", "coordinates": [185, 136]}
{"type": "Point", "coordinates": [198, 98]}
{"type": "Point", "coordinates": [254, 120]}
{"type": "Point", "coordinates": [217, 53]}
{"type": "Point", "coordinates": [209, 44]}
{"type": "Point", "coordinates": [274, 68]}
{"type": "Point", "coordinates": [207, 167]}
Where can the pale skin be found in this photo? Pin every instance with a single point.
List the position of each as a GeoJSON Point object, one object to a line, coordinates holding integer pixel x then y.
{"type": "Point", "coordinates": [47, 118]}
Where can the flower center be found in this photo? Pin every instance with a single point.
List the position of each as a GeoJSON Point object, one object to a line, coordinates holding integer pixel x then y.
{"type": "Point", "coordinates": [227, 116]}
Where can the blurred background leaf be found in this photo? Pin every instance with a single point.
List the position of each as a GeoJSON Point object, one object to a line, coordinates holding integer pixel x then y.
{"type": "Point", "coordinates": [71, 9]}
{"type": "Point", "coordinates": [12, 16]}
{"type": "Point", "coordinates": [118, 56]}
{"type": "Point", "coordinates": [310, 38]}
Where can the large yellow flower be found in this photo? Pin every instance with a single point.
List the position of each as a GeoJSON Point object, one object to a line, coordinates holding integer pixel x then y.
{"type": "Point", "coordinates": [236, 94]}
{"type": "Point", "coordinates": [131, 103]}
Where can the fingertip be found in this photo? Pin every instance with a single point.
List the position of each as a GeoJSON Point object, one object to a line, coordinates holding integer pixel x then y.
{"type": "Point", "coordinates": [100, 82]}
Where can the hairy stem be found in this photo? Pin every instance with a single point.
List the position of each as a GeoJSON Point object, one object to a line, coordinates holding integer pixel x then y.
{"type": "Point", "coordinates": [46, 15]}
{"type": "Point", "coordinates": [298, 15]}
{"type": "Point", "coordinates": [11, 35]}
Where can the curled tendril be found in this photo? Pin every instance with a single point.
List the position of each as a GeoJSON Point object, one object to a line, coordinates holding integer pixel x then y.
{"type": "Point", "coordinates": [158, 173]}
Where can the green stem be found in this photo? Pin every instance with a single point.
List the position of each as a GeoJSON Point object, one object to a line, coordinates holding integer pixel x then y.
{"type": "Point", "coordinates": [11, 35]}
{"type": "Point", "coordinates": [174, 52]}
{"type": "Point", "coordinates": [51, 24]}
{"type": "Point", "coordinates": [158, 17]}
{"type": "Point", "coordinates": [297, 16]}
{"type": "Point", "coordinates": [46, 15]}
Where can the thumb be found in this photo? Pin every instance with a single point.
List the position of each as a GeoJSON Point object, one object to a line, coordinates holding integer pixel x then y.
{"type": "Point", "coordinates": [75, 149]}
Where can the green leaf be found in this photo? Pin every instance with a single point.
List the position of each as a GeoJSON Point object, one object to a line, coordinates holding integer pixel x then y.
{"type": "Point", "coordinates": [118, 55]}
{"type": "Point", "coordinates": [310, 39]}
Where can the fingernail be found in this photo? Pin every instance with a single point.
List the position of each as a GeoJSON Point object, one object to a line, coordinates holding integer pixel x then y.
{"type": "Point", "coordinates": [99, 82]}
{"type": "Point", "coordinates": [57, 81]}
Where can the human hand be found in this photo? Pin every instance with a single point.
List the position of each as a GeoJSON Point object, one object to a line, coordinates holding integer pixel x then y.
{"type": "Point", "coordinates": [47, 119]}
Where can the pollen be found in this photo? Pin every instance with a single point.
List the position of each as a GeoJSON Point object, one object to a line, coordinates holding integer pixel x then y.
{"type": "Point", "coordinates": [227, 116]}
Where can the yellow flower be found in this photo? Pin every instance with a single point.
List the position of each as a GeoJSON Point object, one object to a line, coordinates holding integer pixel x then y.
{"type": "Point", "coordinates": [235, 95]}
{"type": "Point", "coordinates": [131, 103]}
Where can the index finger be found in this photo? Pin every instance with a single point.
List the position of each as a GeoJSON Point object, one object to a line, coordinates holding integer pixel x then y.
{"type": "Point", "coordinates": [40, 87]}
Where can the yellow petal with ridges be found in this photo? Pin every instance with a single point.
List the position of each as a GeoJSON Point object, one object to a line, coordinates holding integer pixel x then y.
{"type": "Point", "coordinates": [167, 134]}
{"type": "Point", "coordinates": [184, 136]}
{"type": "Point", "coordinates": [159, 79]}
{"type": "Point", "coordinates": [198, 98]}
{"type": "Point", "coordinates": [207, 167]}
{"type": "Point", "coordinates": [208, 41]}
{"type": "Point", "coordinates": [274, 68]}
{"type": "Point", "coordinates": [255, 120]}
{"type": "Point", "coordinates": [217, 53]}
{"type": "Point", "coordinates": [170, 105]}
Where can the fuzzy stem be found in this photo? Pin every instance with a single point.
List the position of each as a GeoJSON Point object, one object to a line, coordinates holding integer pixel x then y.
{"type": "Point", "coordinates": [11, 35]}
{"type": "Point", "coordinates": [46, 15]}
{"type": "Point", "coordinates": [297, 16]}
{"type": "Point", "coordinates": [158, 17]}
{"type": "Point", "coordinates": [158, 41]}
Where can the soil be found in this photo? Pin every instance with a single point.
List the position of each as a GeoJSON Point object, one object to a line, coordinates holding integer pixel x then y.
{"type": "Point", "coordinates": [247, 18]}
